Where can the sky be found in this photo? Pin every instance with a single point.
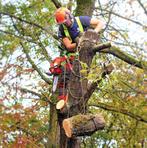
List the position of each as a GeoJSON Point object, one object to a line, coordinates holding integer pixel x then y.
{"type": "Point", "coordinates": [135, 31]}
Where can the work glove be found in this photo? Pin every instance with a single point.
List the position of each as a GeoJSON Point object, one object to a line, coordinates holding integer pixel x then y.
{"type": "Point", "coordinates": [77, 39]}
{"type": "Point", "coordinates": [80, 34]}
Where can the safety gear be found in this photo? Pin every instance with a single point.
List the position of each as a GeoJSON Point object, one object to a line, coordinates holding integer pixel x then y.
{"type": "Point", "coordinates": [59, 63]}
{"type": "Point", "coordinates": [61, 68]}
{"type": "Point", "coordinates": [81, 29]}
{"type": "Point", "coordinates": [61, 15]}
{"type": "Point", "coordinates": [55, 83]}
{"type": "Point", "coordinates": [55, 68]}
{"type": "Point", "coordinates": [79, 24]}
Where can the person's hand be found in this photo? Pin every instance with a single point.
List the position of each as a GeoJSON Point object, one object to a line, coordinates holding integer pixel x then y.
{"type": "Point", "coordinates": [77, 40]}
{"type": "Point", "coordinates": [80, 34]}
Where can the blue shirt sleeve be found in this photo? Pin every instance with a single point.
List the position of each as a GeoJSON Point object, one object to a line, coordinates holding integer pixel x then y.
{"type": "Point", "coordinates": [85, 20]}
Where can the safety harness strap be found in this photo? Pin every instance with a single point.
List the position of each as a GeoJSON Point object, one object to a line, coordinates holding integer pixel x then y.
{"type": "Point", "coordinates": [66, 32]}
{"type": "Point", "coordinates": [79, 25]}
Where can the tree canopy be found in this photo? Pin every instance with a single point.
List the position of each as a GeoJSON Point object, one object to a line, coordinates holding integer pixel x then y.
{"type": "Point", "coordinates": [28, 43]}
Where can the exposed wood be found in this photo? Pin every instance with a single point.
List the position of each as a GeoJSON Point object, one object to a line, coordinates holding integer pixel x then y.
{"type": "Point", "coordinates": [60, 104]}
{"type": "Point", "coordinates": [77, 86]}
{"type": "Point", "coordinates": [81, 125]}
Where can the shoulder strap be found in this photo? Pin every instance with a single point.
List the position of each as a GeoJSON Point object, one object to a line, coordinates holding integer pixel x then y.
{"type": "Point", "coordinates": [66, 32]}
{"type": "Point", "coordinates": [79, 24]}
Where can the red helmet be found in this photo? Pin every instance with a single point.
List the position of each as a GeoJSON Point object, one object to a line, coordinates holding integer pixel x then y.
{"type": "Point", "coordinates": [60, 15]}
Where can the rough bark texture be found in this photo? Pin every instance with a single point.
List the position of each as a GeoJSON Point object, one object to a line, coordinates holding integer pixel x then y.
{"type": "Point", "coordinates": [53, 137]}
{"type": "Point", "coordinates": [77, 88]}
{"type": "Point", "coordinates": [85, 7]}
{"type": "Point", "coordinates": [122, 55]}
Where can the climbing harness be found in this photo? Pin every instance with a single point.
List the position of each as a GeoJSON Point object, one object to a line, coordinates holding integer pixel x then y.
{"type": "Point", "coordinates": [79, 26]}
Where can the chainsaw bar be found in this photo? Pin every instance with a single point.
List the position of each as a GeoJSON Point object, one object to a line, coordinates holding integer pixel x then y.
{"type": "Point", "coordinates": [55, 83]}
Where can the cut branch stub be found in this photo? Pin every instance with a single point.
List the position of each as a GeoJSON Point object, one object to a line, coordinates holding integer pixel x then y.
{"type": "Point", "coordinates": [81, 125]}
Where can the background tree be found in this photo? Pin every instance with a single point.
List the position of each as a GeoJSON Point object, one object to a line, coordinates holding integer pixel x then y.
{"type": "Point", "coordinates": [27, 43]}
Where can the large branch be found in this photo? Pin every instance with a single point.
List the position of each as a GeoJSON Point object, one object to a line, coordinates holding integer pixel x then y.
{"type": "Point", "coordinates": [81, 125]}
{"type": "Point", "coordinates": [120, 54]}
{"type": "Point", "coordinates": [91, 88]}
{"type": "Point", "coordinates": [118, 110]}
{"type": "Point", "coordinates": [17, 36]}
{"type": "Point", "coordinates": [144, 8]}
{"type": "Point", "coordinates": [57, 3]}
{"type": "Point", "coordinates": [47, 80]}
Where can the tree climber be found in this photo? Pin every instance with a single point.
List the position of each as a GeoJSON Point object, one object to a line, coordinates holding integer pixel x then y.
{"type": "Point", "coordinates": [70, 27]}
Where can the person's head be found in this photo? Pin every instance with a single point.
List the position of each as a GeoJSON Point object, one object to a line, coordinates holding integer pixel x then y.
{"type": "Point", "coordinates": [63, 16]}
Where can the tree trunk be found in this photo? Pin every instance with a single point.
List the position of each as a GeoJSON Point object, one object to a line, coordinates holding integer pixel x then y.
{"type": "Point", "coordinates": [85, 7]}
{"type": "Point", "coordinates": [77, 87]}
{"type": "Point", "coordinates": [53, 136]}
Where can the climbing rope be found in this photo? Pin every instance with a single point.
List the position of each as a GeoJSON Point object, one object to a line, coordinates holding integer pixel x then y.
{"type": "Point", "coordinates": [76, 75]}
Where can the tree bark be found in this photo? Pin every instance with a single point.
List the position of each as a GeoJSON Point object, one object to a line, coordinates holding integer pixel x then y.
{"type": "Point", "coordinates": [77, 87]}
{"type": "Point", "coordinates": [54, 132]}
{"type": "Point", "coordinates": [81, 125]}
{"type": "Point", "coordinates": [107, 48]}
{"type": "Point", "coordinates": [85, 7]}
